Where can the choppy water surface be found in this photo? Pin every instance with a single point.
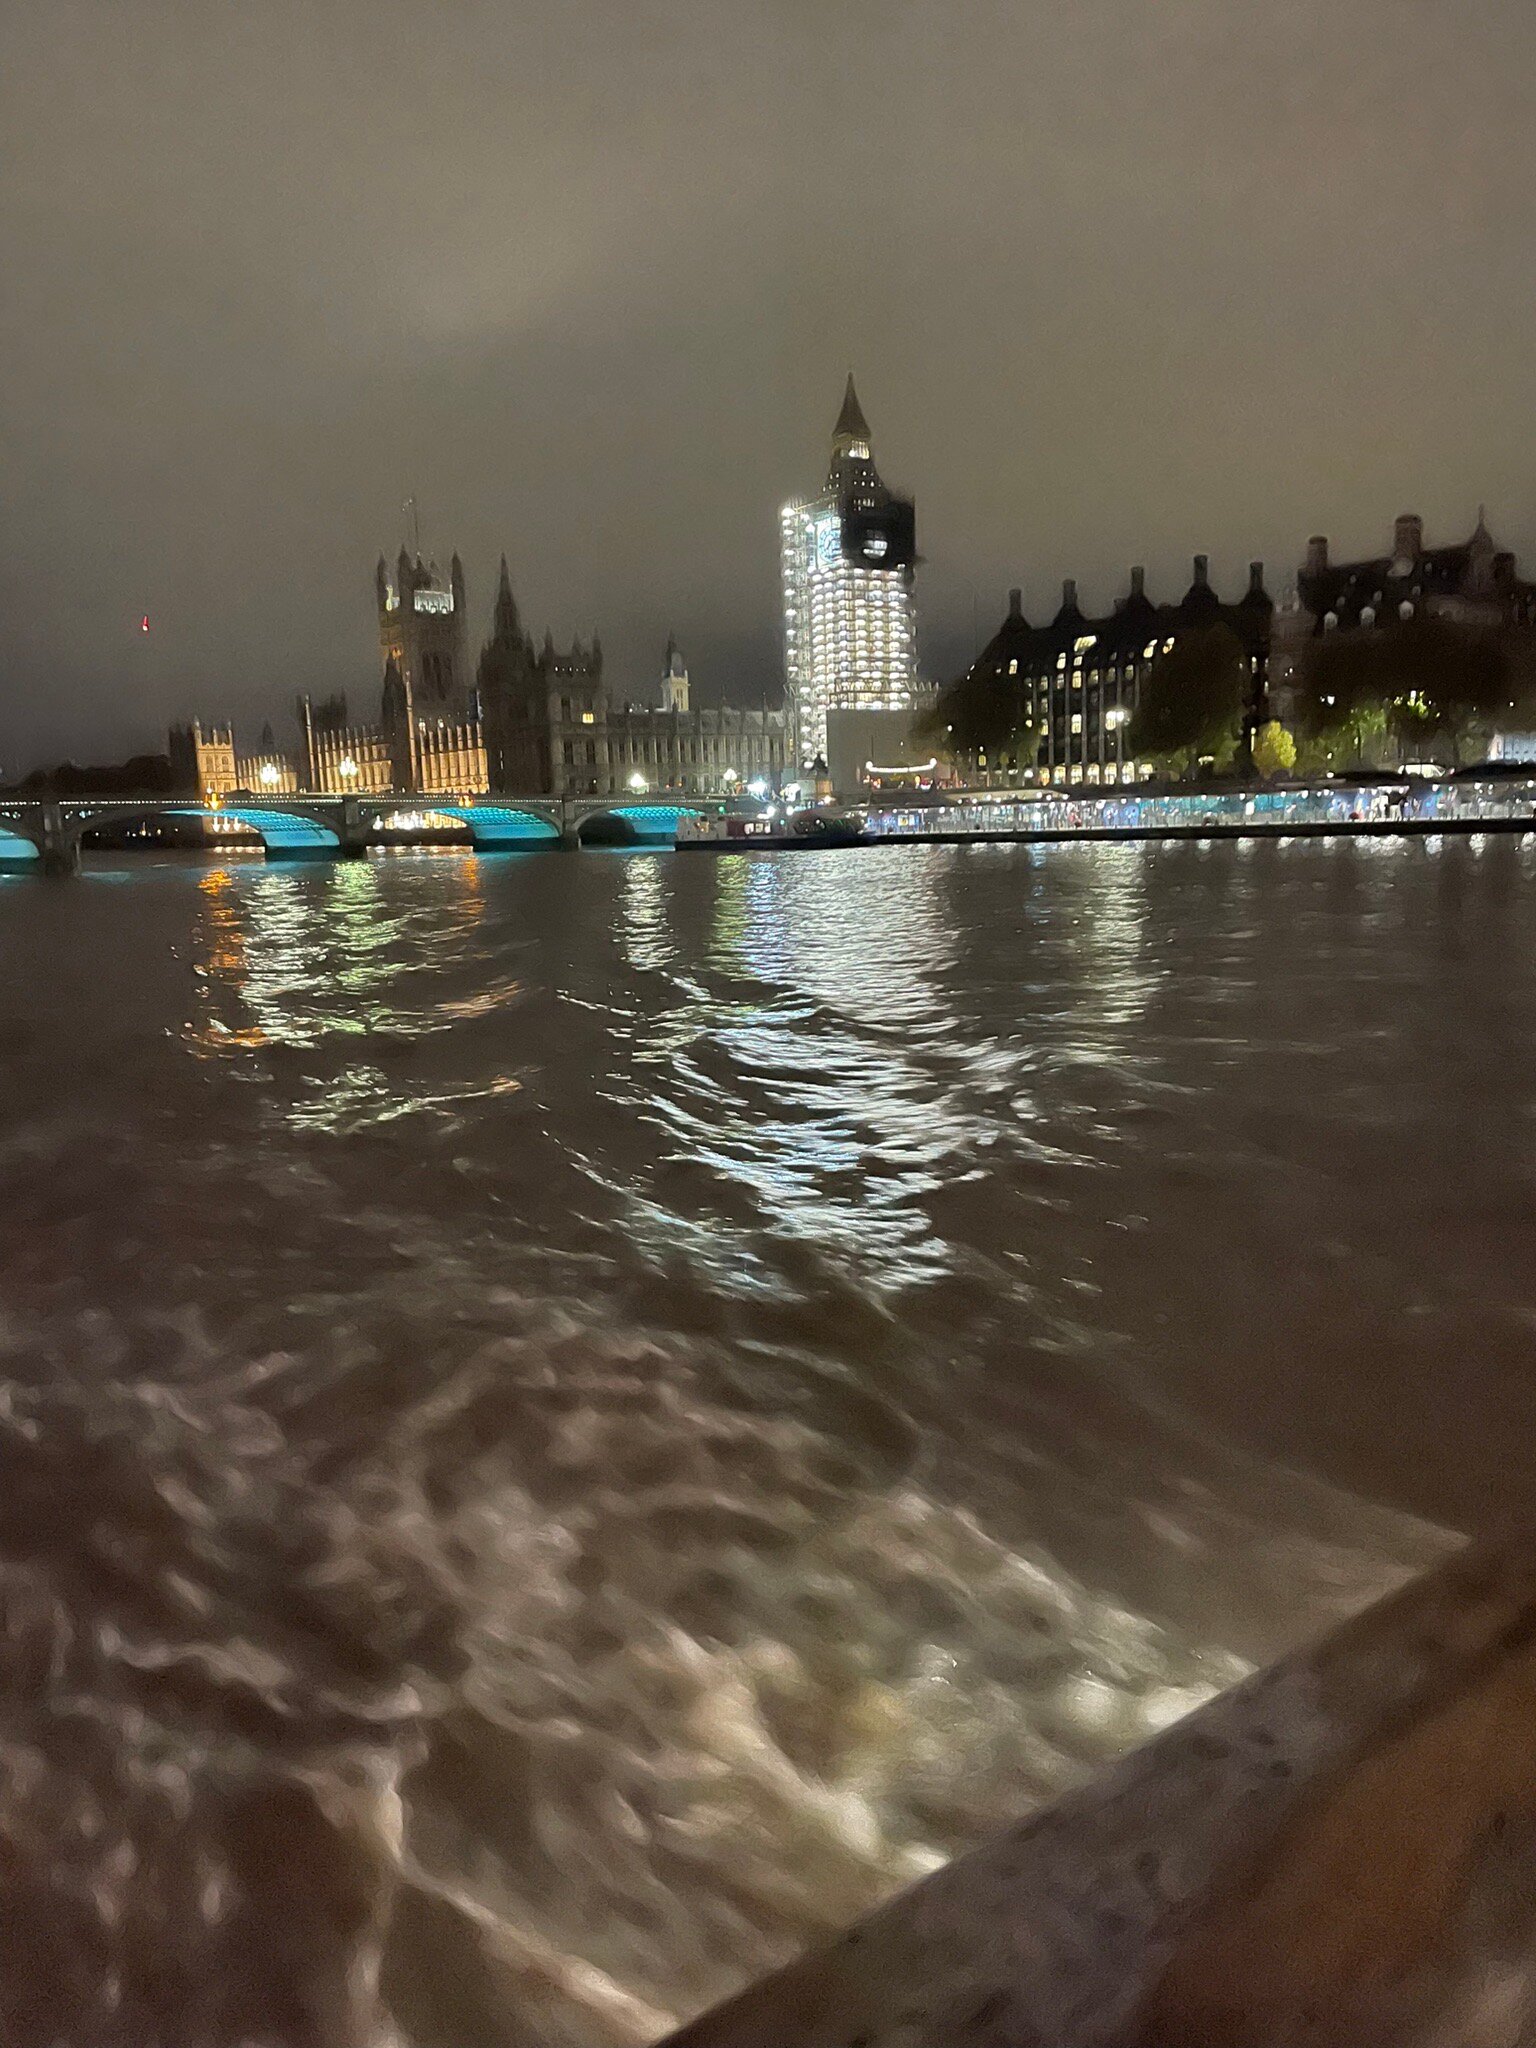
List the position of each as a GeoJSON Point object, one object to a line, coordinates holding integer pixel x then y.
{"type": "Point", "coordinates": [669, 1394]}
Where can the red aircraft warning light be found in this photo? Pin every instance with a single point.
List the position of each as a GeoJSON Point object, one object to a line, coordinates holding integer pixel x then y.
{"type": "Point", "coordinates": [144, 623]}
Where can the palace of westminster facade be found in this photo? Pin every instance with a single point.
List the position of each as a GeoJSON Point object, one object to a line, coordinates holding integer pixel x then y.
{"type": "Point", "coordinates": [530, 721]}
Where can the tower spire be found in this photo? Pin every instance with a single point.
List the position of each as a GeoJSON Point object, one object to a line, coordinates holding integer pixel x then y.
{"type": "Point", "coordinates": [851, 423]}
{"type": "Point", "coordinates": [506, 626]}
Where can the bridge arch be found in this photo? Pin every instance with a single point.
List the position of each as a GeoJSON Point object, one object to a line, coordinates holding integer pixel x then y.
{"type": "Point", "coordinates": [283, 833]}
{"type": "Point", "coordinates": [290, 834]}
{"type": "Point", "coordinates": [632, 824]}
{"type": "Point", "coordinates": [497, 827]}
{"type": "Point", "coordinates": [18, 847]}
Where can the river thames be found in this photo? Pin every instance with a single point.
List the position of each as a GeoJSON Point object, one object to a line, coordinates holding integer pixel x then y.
{"type": "Point", "coordinates": [687, 1390]}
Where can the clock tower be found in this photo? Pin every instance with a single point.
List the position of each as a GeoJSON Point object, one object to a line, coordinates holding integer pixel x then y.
{"type": "Point", "coordinates": [846, 561]}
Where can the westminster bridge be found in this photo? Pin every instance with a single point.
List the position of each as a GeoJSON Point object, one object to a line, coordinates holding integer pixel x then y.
{"type": "Point", "coordinates": [49, 833]}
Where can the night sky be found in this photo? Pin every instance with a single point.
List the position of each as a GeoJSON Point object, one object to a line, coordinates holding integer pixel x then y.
{"type": "Point", "coordinates": [1119, 279]}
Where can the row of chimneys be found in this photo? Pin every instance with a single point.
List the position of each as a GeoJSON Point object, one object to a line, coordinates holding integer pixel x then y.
{"type": "Point", "coordinates": [1407, 543]}
{"type": "Point", "coordinates": [1407, 546]}
{"type": "Point", "coordinates": [1202, 581]}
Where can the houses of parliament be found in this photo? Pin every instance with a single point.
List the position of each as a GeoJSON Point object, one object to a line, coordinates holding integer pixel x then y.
{"type": "Point", "coordinates": [530, 720]}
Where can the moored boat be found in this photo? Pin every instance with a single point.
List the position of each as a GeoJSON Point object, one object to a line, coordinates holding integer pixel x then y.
{"type": "Point", "coordinates": [821, 826]}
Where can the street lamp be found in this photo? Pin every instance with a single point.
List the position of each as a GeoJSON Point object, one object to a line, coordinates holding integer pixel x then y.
{"type": "Point", "coordinates": [270, 774]}
{"type": "Point", "coordinates": [637, 784]}
{"type": "Point", "coordinates": [348, 767]}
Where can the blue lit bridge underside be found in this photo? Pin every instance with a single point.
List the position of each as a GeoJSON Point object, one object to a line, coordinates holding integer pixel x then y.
{"type": "Point", "coordinates": [645, 822]}
{"type": "Point", "coordinates": [498, 825]}
{"type": "Point", "coordinates": [492, 825]}
{"type": "Point", "coordinates": [288, 834]}
{"type": "Point", "coordinates": [280, 832]}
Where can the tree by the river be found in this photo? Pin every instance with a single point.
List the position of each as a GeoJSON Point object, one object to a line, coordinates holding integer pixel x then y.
{"type": "Point", "coordinates": [1191, 702]}
{"type": "Point", "coordinates": [1274, 750]}
{"type": "Point", "coordinates": [1428, 683]}
{"type": "Point", "coordinates": [983, 718]}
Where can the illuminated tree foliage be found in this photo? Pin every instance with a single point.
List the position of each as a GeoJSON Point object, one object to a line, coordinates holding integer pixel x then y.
{"type": "Point", "coordinates": [1274, 750]}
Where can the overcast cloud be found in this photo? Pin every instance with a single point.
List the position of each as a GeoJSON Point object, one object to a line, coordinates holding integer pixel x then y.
{"type": "Point", "coordinates": [1120, 280]}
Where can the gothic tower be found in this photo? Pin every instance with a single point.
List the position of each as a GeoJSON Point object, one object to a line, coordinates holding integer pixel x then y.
{"type": "Point", "coordinates": [504, 682]}
{"type": "Point", "coordinates": [423, 655]}
{"type": "Point", "coordinates": [674, 678]}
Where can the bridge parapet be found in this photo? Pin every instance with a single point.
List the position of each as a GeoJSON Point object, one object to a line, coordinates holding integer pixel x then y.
{"type": "Point", "coordinates": [1339, 1853]}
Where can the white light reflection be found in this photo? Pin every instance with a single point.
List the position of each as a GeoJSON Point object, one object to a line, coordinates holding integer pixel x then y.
{"type": "Point", "coordinates": [803, 1072]}
{"type": "Point", "coordinates": [322, 962]}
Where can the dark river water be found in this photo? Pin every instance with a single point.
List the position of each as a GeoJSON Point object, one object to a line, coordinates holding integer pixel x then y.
{"type": "Point", "coordinates": [660, 1396]}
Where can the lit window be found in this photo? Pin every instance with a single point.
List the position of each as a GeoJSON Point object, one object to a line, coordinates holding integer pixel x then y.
{"type": "Point", "coordinates": [1013, 668]}
{"type": "Point", "coordinates": [1077, 721]}
{"type": "Point", "coordinates": [588, 718]}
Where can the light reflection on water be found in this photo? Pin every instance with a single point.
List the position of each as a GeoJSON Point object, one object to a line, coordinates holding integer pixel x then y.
{"type": "Point", "coordinates": [851, 1339]}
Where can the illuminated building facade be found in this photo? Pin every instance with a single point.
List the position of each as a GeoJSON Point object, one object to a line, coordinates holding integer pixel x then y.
{"type": "Point", "coordinates": [428, 712]}
{"type": "Point", "coordinates": [846, 560]}
{"type": "Point", "coordinates": [535, 721]}
{"type": "Point", "coordinates": [203, 760]}
{"type": "Point", "coordinates": [1072, 685]}
{"type": "Point", "coordinates": [206, 763]}
{"type": "Point", "coordinates": [552, 729]}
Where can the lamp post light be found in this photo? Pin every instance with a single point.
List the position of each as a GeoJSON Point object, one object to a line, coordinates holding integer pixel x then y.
{"type": "Point", "coordinates": [637, 784]}
{"type": "Point", "coordinates": [270, 774]}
